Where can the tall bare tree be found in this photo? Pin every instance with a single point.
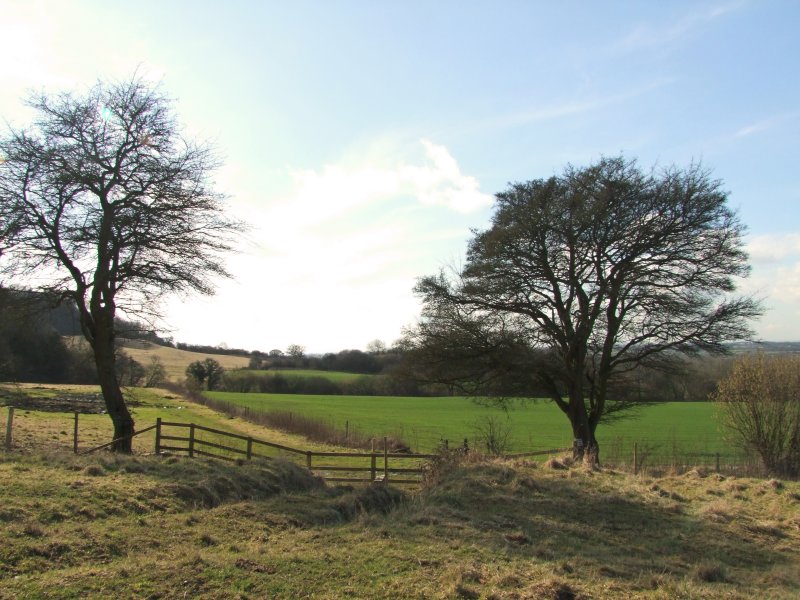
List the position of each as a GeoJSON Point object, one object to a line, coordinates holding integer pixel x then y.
{"type": "Point", "coordinates": [581, 278]}
{"type": "Point", "coordinates": [112, 208]}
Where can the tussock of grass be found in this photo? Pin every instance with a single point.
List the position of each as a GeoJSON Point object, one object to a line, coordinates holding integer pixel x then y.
{"type": "Point", "coordinates": [710, 573]}
{"type": "Point", "coordinates": [374, 499]}
{"type": "Point", "coordinates": [559, 464]}
{"type": "Point", "coordinates": [720, 511]}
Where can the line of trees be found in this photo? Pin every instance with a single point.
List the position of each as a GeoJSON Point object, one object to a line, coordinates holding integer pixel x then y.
{"type": "Point", "coordinates": [287, 383]}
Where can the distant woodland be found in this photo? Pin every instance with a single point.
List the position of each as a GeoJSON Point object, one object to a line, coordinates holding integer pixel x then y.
{"type": "Point", "coordinates": [39, 343]}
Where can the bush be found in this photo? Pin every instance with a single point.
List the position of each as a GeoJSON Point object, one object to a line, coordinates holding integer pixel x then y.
{"type": "Point", "coordinates": [208, 373]}
{"type": "Point", "coordinates": [760, 402]}
{"type": "Point", "coordinates": [493, 435]}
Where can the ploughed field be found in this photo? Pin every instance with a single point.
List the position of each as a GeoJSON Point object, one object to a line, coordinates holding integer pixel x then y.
{"type": "Point", "coordinates": [660, 431]}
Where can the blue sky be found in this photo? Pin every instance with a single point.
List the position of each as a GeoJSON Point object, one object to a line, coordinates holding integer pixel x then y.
{"type": "Point", "coordinates": [363, 139]}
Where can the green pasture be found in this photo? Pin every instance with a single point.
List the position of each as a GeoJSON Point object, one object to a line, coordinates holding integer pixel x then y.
{"type": "Point", "coordinates": [660, 429]}
{"type": "Point", "coordinates": [335, 376]}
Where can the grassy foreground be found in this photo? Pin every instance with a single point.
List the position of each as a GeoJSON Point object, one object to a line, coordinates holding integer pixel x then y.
{"type": "Point", "coordinates": [168, 527]}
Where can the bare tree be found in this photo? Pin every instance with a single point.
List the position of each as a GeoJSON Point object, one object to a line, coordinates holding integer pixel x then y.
{"type": "Point", "coordinates": [580, 279]}
{"type": "Point", "coordinates": [113, 208]}
{"type": "Point", "coordinates": [296, 351]}
{"type": "Point", "coordinates": [376, 346]}
{"type": "Point", "coordinates": [760, 402]}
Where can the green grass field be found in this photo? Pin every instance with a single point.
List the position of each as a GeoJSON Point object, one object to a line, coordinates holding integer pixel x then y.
{"type": "Point", "coordinates": [335, 376]}
{"type": "Point", "coordinates": [424, 422]}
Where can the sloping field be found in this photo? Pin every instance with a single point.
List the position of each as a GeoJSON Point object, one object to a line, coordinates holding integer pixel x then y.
{"type": "Point", "coordinates": [174, 360]}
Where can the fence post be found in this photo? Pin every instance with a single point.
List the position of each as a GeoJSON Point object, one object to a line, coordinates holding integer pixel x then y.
{"type": "Point", "coordinates": [75, 435]}
{"type": "Point", "coordinates": [347, 430]}
{"type": "Point", "coordinates": [717, 462]}
{"type": "Point", "coordinates": [158, 435]}
{"type": "Point", "coordinates": [385, 461]}
{"type": "Point", "coordinates": [308, 460]}
{"type": "Point", "coordinates": [372, 462]}
{"type": "Point", "coordinates": [249, 448]}
{"type": "Point", "coordinates": [635, 459]}
{"type": "Point", "coordinates": [9, 427]}
{"type": "Point", "coordinates": [191, 440]}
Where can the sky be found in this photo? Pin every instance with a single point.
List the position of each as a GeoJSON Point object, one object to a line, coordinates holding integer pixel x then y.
{"type": "Point", "coordinates": [364, 140]}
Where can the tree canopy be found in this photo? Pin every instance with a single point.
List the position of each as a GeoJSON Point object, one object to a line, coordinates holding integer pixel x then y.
{"type": "Point", "coordinates": [106, 203]}
{"type": "Point", "coordinates": [581, 278]}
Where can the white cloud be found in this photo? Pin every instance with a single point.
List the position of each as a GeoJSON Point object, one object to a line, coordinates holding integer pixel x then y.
{"type": "Point", "coordinates": [776, 278]}
{"type": "Point", "coordinates": [648, 36]}
{"type": "Point", "coordinates": [773, 248]}
{"type": "Point", "coordinates": [564, 109]}
{"type": "Point", "coordinates": [336, 189]}
{"type": "Point", "coordinates": [766, 124]}
{"type": "Point", "coordinates": [335, 259]}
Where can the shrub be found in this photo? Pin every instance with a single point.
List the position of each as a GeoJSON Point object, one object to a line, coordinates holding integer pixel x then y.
{"type": "Point", "coordinates": [760, 402]}
{"type": "Point", "coordinates": [208, 373]}
{"type": "Point", "coordinates": [493, 435]}
{"type": "Point", "coordinates": [155, 374]}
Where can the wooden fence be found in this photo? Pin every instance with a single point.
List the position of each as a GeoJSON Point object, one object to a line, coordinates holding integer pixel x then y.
{"type": "Point", "coordinates": [385, 466]}
{"type": "Point", "coordinates": [379, 464]}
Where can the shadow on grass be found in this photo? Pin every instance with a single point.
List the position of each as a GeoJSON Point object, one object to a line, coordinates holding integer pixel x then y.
{"type": "Point", "coordinates": [587, 519]}
{"type": "Point", "coordinates": [591, 519]}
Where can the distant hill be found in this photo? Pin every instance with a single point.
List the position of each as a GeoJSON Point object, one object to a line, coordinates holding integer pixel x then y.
{"type": "Point", "coordinates": [768, 347]}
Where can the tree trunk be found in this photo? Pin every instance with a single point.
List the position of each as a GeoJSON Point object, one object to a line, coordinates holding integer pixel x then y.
{"type": "Point", "coordinates": [105, 360]}
{"type": "Point", "coordinates": [584, 447]}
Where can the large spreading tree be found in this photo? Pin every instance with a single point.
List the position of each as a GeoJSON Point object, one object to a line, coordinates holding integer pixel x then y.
{"type": "Point", "coordinates": [106, 203]}
{"type": "Point", "coordinates": [582, 278]}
